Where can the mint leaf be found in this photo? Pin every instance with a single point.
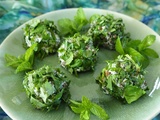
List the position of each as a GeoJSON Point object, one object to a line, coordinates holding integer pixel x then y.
{"type": "Point", "coordinates": [98, 111]}
{"type": "Point", "coordinates": [77, 110]}
{"type": "Point", "coordinates": [145, 62]}
{"type": "Point", "coordinates": [133, 43]}
{"type": "Point", "coordinates": [29, 54]}
{"type": "Point", "coordinates": [23, 62]}
{"type": "Point", "coordinates": [76, 107]}
{"type": "Point", "coordinates": [119, 47]}
{"type": "Point", "coordinates": [24, 66]}
{"type": "Point", "coordinates": [80, 19]}
{"type": "Point", "coordinates": [70, 59]}
{"type": "Point", "coordinates": [69, 27]}
{"type": "Point", "coordinates": [138, 57]}
{"type": "Point", "coordinates": [150, 52]}
{"type": "Point", "coordinates": [85, 115]}
{"type": "Point", "coordinates": [85, 101]}
{"type": "Point", "coordinates": [66, 26]}
{"type": "Point", "coordinates": [132, 93]}
{"type": "Point", "coordinates": [75, 103]}
{"type": "Point", "coordinates": [146, 42]}
{"type": "Point", "coordinates": [12, 60]}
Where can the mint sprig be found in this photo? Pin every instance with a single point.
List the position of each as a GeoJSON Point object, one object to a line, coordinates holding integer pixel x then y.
{"type": "Point", "coordinates": [86, 107]}
{"type": "Point", "coordinates": [69, 27]}
{"type": "Point", "coordinates": [138, 49]}
{"type": "Point", "coordinates": [23, 62]}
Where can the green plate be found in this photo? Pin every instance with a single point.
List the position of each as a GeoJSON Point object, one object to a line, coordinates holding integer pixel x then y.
{"type": "Point", "coordinates": [15, 103]}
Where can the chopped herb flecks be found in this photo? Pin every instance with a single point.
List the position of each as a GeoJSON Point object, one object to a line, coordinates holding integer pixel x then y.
{"type": "Point", "coordinates": [46, 88]}
{"type": "Point", "coordinates": [123, 78]}
{"type": "Point", "coordinates": [78, 54]}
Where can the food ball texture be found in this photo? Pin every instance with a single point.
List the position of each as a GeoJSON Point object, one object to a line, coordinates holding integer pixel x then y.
{"type": "Point", "coordinates": [123, 79]}
{"type": "Point", "coordinates": [46, 88]}
{"type": "Point", "coordinates": [45, 33]}
{"type": "Point", "coordinates": [77, 54]}
{"type": "Point", "coordinates": [105, 29]}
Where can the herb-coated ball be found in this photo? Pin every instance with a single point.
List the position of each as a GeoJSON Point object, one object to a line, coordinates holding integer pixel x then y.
{"type": "Point", "coordinates": [45, 33]}
{"type": "Point", "coordinates": [77, 54]}
{"type": "Point", "coordinates": [123, 79]}
{"type": "Point", "coordinates": [105, 29]}
{"type": "Point", "coordinates": [46, 88]}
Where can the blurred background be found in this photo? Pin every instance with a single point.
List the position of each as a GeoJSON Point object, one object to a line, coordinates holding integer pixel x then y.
{"type": "Point", "coordinates": [13, 13]}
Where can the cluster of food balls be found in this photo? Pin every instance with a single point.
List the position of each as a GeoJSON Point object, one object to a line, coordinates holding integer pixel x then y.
{"type": "Point", "coordinates": [47, 87]}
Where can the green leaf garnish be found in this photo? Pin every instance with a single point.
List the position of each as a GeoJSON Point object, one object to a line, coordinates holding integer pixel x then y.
{"type": "Point", "coordinates": [69, 27]}
{"type": "Point", "coordinates": [146, 42]}
{"type": "Point", "coordinates": [133, 44]}
{"type": "Point", "coordinates": [150, 53]}
{"type": "Point", "coordinates": [13, 61]}
{"type": "Point", "coordinates": [66, 26]}
{"type": "Point", "coordinates": [132, 93]}
{"type": "Point", "coordinates": [136, 55]}
{"type": "Point", "coordinates": [119, 47]}
{"type": "Point", "coordinates": [24, 66]}
{"type": "Point", "coordinates": [138, 49]}
{"type": "Point", "coordinates": [99, 111]}
{"type": "Point", "coordinates": [23, 62]}
{"type": "Point", "coordinates": [80, 19]}
{"type": "Point", "coordinates": [86, 107]}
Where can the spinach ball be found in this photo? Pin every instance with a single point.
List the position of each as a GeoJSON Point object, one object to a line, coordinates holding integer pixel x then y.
{"type": "Point", "coordinates": [46, 88]}
{"type": "Point", "coordinates": [123, 79]}
{"type": "Point", "coordinates": [45, 34]}
{"type": "Point", "coordinates": [77, 54]}
{"type": "Point", "coordinates": [105, 29]}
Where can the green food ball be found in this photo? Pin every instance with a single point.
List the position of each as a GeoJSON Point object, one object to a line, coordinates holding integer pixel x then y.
{"type": "Point", "coordinates": [45, 33]}
{"type": "Point", "coordinates": [106, 29]}
{"type": "Point", "coordinates": [123, 79]}
{"type": "Point", "coordinates": [77, 54]}
{"type": "Point", "coordinates": [46, 88]}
